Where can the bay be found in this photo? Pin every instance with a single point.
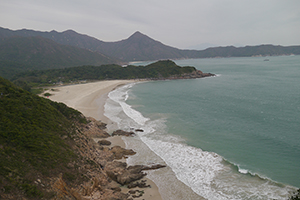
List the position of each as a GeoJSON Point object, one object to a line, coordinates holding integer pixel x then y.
{"type": "Point", "coordinates": [233, 136]}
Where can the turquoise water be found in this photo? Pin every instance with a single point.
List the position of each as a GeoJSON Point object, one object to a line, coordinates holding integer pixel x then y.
{"type": "Point", "coordinates": [233, 136]}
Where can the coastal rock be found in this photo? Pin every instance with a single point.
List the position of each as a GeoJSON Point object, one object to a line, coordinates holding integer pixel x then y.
{"type": "Point", "coordinates": [136, 193]}
{"type": "Point", "coordinates": [141, 184]}
{"type": "Point", "coordinates": [95, 128]}
{"type": "Point", "coordinates": [120, 152]}
{"type": "Point", "coordinates": [119, 172]}
{"type": "Point", "coordinates": [153, 167]}
{"type": "Point", "coordinates": [104, 142]}
{"type": "Point", "coordinates": [122, 133]}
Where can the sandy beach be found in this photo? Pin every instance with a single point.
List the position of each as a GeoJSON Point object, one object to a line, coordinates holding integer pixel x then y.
{"type": "Point", "coordinates": [89, 98]}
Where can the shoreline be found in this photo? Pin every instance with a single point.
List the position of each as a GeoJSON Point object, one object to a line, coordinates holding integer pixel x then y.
{"type": "Point", "coordinates": [89, 99]}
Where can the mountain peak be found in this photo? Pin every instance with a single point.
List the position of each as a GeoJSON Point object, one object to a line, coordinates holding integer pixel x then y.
{"type": "Point", "coordinates": [138, 34]}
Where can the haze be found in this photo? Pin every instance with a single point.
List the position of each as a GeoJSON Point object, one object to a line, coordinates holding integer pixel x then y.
{"type": "Point", "coordinates": [181, 24]}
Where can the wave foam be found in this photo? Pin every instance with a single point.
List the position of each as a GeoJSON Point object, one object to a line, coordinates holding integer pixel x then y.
{"type": "Point", "coordinates": [206, 173]}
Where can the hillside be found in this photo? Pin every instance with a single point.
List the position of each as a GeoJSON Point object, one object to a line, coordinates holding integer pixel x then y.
{"type": "Point", "coordinates": [26, 53]}
{"type": "Point", "coordinates": [164, 69]}
{"type": "Point", "coordinates": [140, 47]}
{"type": "Point", "coordinates": [47, 151]}
{"type": "Point", "coordinates": [31, 144]}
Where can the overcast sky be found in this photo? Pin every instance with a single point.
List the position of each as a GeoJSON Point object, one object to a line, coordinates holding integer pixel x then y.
{"type": "Point", "coordinates": [176, 23]}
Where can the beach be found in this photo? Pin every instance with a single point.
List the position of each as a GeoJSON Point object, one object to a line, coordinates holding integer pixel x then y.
{"type": "Point", "coordinates": [89, 99]}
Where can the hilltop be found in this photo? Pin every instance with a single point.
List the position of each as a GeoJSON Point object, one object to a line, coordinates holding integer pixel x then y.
{"type": "Point", "coordinates": [140, 47]}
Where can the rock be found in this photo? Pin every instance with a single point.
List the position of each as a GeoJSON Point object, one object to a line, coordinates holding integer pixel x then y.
{"type": "Point", "coordinates": [122, 133]}
{"type": "Point", "coordinates": [119, 172]}
{"type": "Point", "coordinates": [136, 193]}
{"type": "Point", "coordinates": [132, 191]}
{"type": "Point", "coordinates": [141, 184]}
{"type": "Point", "coordinates": [104, 142]}
{"type": "Point", "coordinates": [100, 125]}
{"type": "Point", "coordinates": [157, 166]}
{"type": "Point", "coordinates": [139, 130]}
{"type": "Point", "coordinates": [96, 128]}
{"type": "Point", "coordinates": [120, 152]}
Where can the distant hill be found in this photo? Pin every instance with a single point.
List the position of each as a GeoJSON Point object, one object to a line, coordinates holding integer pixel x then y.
{"type": "Point", "coordinates": [140, 47]}
{"type": "Point", "coordinates": [26, 53]}
{"type": "Point", "coordinates": [164, 69]}
{"type": "Point", "coordinates": [136, 47]}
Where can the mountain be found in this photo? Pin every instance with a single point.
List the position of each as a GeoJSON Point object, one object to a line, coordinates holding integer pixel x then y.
{"type": "Point", "coordinates": [140, 47]}
{"type": "Point", "coordinates": [137, 47]}
{"type": "Point", "coordinates": [27, 53]}
{"type": "Point", "coordinates": [248, 51]}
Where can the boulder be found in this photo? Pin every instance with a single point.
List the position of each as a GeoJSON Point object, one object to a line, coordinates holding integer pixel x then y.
{"type": "Point", "coordinates": [122, 133]}
{"type": "Point", "coordinates": [104, 142]}
{"type": "Point", "coordinates": [96, 128]}
{"type": "Point", "coordinates": [119, 172]}
{"type": "Point", "coordinates": [153, 167]}
{"type": "Point", "coordinates": [120, 152]}
{"type": "Point", "coordinates": [139, 130]}
{"type": "Point", "coordinates": [141, 184]}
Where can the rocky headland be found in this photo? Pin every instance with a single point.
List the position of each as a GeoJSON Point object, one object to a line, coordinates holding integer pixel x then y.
{"type": "Point", "coordinates": [106, 172]}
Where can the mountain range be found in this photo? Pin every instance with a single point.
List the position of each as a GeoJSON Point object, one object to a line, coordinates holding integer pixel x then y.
{"type": "Point", "coordinates": [22, 50]}
{"type": "Point", "coordinates": [140, 47]}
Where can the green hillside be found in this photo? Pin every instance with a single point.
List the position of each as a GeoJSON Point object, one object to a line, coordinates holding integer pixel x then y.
{"type": "Point", "coordinates": [158, 70]}
{"type": "Point", "coordinates": [35, 141]}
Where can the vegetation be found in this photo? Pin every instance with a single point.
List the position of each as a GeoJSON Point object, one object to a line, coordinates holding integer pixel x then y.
{"type": "Point", "coordinates": [157, 70]}
{"type": "Point", "coordinates": [35, 139]}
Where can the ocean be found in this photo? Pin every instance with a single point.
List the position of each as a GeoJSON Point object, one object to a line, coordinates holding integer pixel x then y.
{"type": "Point", "coordinates": [232, 136]}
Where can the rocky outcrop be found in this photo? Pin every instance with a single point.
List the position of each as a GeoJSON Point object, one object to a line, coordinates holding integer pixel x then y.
{"type": "Point", "coordinates": [193, 75]}
{"type": "Point", "coordinates": [104, 174]}
{"type": "Point", "coordinates": [95, 128]}
{"type": "Point", "coordinates": [104, 142]}
{"type": "Point", "coordinates": [120, 152]}
{"type": "Point", "coordinates": [123, 133]}
{"type": "Point", "coordinates": [119, 172]}
{"type": "Point", "coordinates": [153, 167]}
{"type": "Point", "coordinates": [139, 184]}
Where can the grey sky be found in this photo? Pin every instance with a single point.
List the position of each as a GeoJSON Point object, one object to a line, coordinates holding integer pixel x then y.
{"type": "Point", "coordinates": [176, 23]}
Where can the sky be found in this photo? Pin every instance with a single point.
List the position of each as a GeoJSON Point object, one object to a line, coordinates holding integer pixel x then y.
{"type": "Point", "coordinates": [183, 24]}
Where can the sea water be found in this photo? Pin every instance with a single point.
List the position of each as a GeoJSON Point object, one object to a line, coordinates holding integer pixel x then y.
{"type": "Point", "coordinates": [233, 136]}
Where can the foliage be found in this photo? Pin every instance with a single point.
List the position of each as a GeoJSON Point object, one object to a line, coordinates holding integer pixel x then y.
{"type": "Point", "coordinates": [31, 132]}
{"type": "Point", "coordinates": [157, 70]}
